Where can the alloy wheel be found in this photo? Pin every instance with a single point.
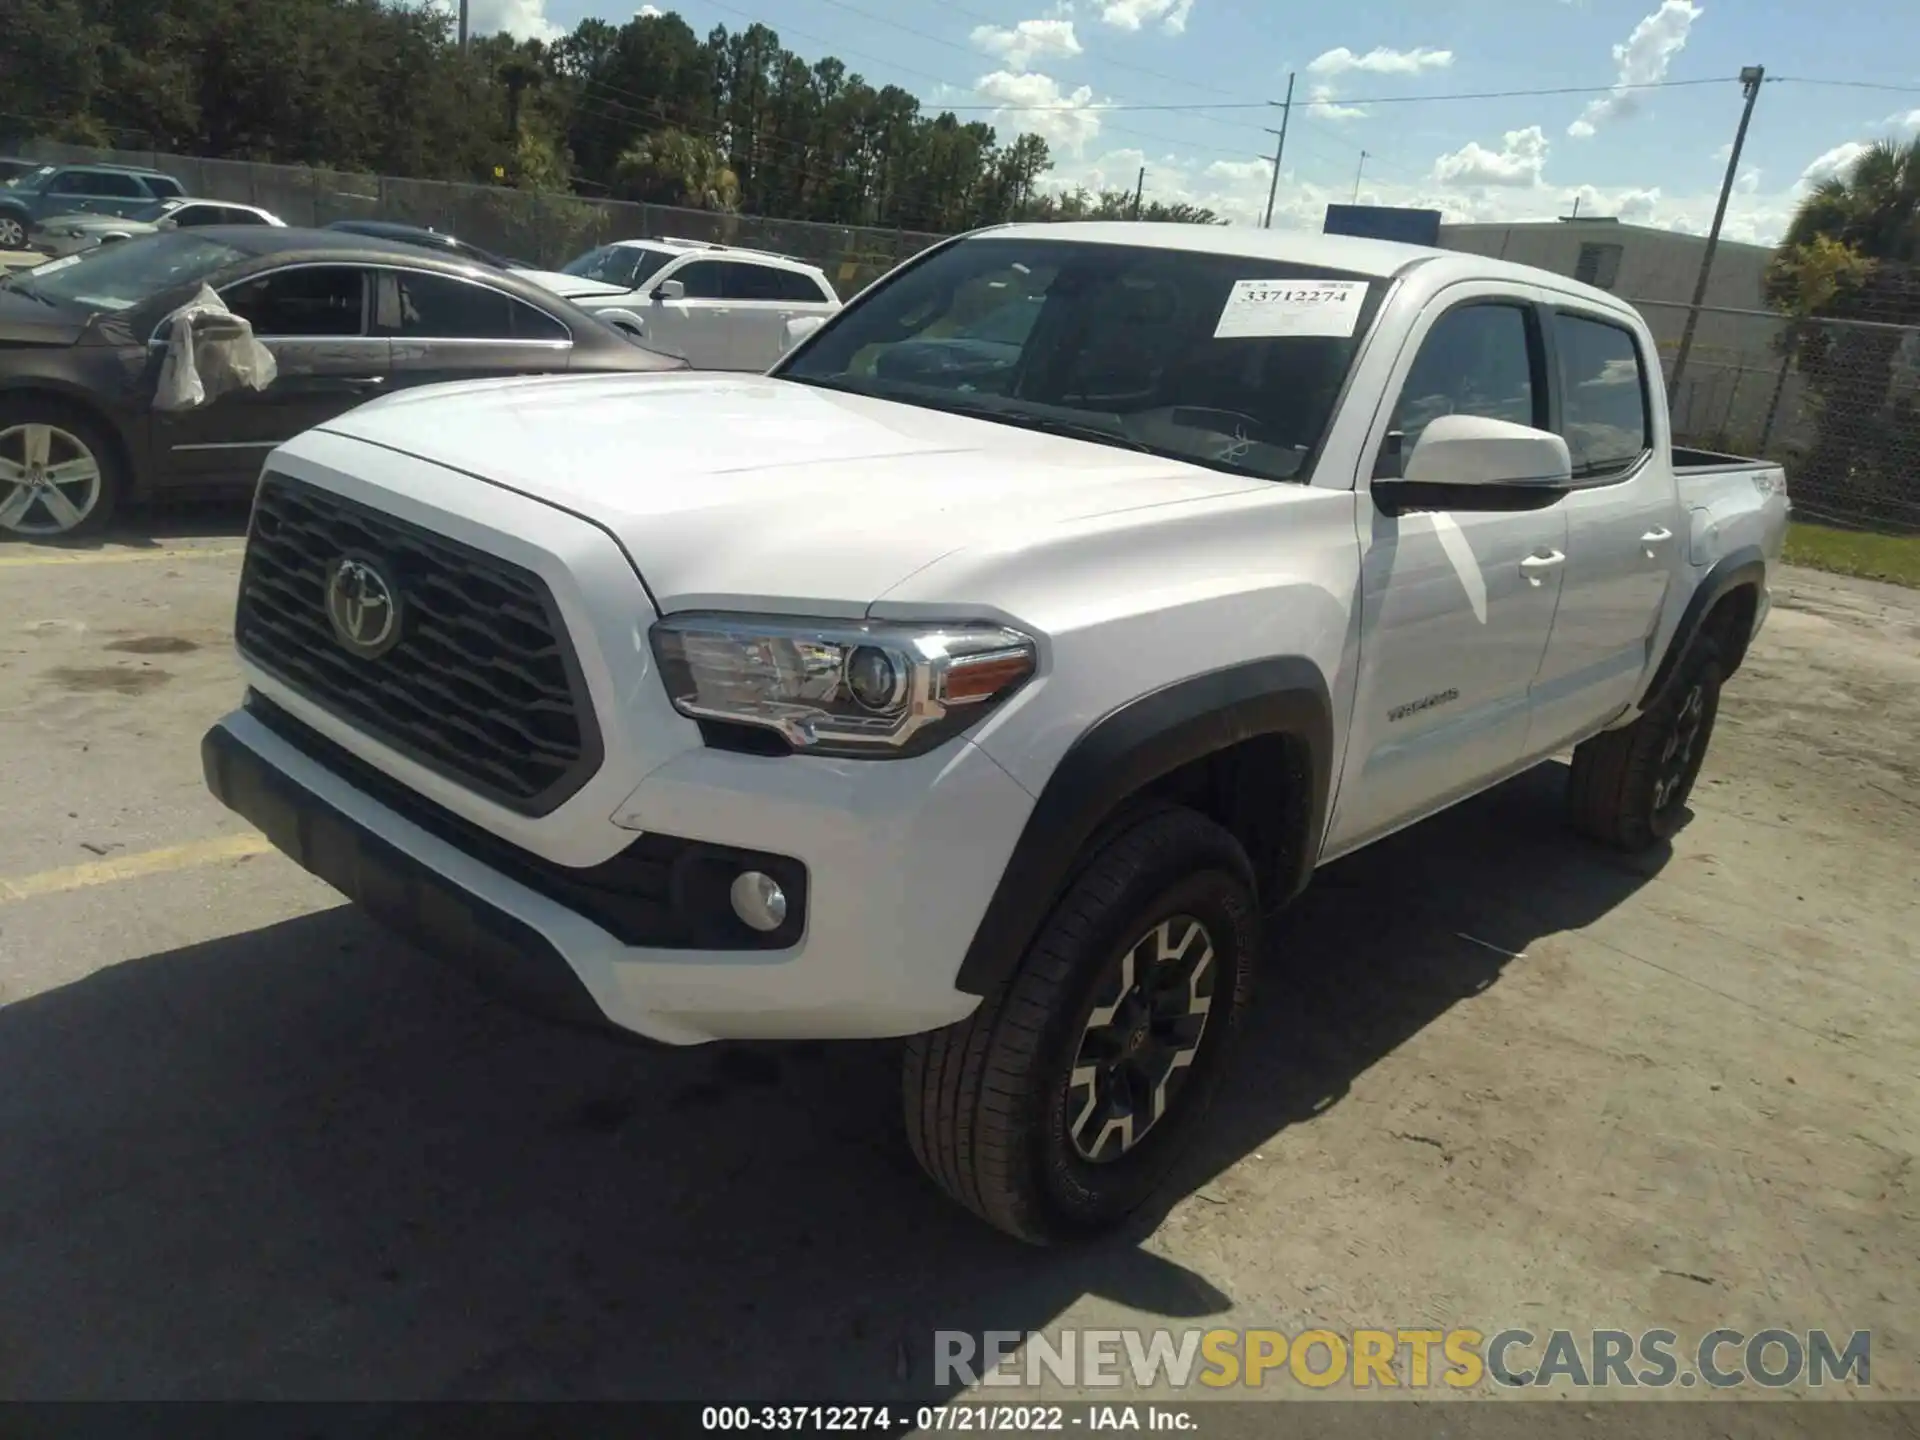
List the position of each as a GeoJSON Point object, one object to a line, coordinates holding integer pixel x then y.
{"type": "Point", "coordinates": [1140, 1039]}
{"type": "Point", "coordinates": [1676, 754]}
{"type": "Point", "coordinates": [13, 235]}
{"type": "Point", "coordinates": [50, 482]}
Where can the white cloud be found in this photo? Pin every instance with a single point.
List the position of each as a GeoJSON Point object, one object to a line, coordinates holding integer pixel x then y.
{"type": "Point", "coordinates": [648, 12]}
{"type": "Point", "coordinates": [1322, 105]}
{"type": "Point", "coordinates": [1908, 121]}
{"type": "Point", "coordinates": [1748, 183]}
{"type": "Point", "coordinates": [522, 19]}
{"type": "Point", "coordinates": [1069, 120]}
{"type": "Point", "coordinates": [1643, 60]}
{"type": "Point", "coordinates": [1133, 14]}
{"type": "Point", "coordinates": [1519, 161]}
{"type": "Point", "coordinates": [1237, 191]}
{"type": "Point", "coordinates": [1020, 46]}
{"type": "Point", "coordinates": [1380, 61]}
{"type": "Point", "coordinates": [1723, 153]}
{"type": "Point", "coordinates": [1834, 164]}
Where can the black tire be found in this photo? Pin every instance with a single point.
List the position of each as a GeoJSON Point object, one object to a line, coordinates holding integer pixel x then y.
{"type": "Point", "coordinates": [991, 1103]}
{"type": "Point", "coordinates": [1629, 787]}
{"type": "Point", "coordinates": [77, 427]}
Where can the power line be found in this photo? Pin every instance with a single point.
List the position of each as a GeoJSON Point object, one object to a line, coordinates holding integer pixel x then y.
{"type": "Point", "coordinates": [1847, 84]}
{"type": "Point", "coordinates": [1406, 99]}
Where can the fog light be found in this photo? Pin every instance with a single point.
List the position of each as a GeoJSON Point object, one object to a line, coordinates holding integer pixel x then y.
{"type": "Point", "coordinates": [758, 900]}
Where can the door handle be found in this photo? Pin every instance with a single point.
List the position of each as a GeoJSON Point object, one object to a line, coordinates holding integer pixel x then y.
{"type": "Point", "coordinates": [1535, 567]}
{"type": "Point", "coordinates": [1655, 538]}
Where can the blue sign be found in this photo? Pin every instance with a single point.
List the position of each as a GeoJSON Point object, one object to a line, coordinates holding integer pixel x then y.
{"type": "Point", "coordinates": [1384, 222]}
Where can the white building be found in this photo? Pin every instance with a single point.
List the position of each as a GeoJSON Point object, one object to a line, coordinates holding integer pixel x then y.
{"type": "Point", "coordinates": [1734, 368]}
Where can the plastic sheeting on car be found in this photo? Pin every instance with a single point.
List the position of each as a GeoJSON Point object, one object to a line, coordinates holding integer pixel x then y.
{"type": "Point", "coordinates": [210, 351]}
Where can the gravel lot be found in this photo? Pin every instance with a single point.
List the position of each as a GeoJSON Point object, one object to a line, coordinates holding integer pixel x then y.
{"type": "Point", "coordinates": [252, 1148]}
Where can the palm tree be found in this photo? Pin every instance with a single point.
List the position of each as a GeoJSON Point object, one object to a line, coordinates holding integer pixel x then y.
{"type": "Point", "coordinates": [671, 167]}
{"type": "Point", "coordinates": [1852, 252]}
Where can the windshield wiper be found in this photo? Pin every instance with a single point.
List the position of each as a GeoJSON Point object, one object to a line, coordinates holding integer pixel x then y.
{"type": "Point", "coordinates": [1055, 425]}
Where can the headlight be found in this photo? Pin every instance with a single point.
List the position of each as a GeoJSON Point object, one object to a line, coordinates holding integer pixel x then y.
{"type": "Point", "coordinates": [868, 688]}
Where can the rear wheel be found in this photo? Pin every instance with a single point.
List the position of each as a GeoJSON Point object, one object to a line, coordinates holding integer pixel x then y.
{"type": "Point", "coordinates": [59, 474]}
{"type": "Point", "coordinates": [1629, 787]}
{"type": "Point", "coordinates": [1062, 1102]}
{"type": "Point", "coordinates": [13, 232]}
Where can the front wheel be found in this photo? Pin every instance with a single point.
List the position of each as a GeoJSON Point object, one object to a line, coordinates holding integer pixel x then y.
{"type": "Point", "coordinates": [1060, 1105]}
{"type": "Point", "coordinates": [13, 232]}
{"type": "Point", "coordinates": [1629, 787]}
{"type": "Point", "coordinates": [59, 474]}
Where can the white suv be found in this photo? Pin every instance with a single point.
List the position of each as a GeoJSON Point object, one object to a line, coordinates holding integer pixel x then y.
{"type": "Point", "coordinates": [717, 307]}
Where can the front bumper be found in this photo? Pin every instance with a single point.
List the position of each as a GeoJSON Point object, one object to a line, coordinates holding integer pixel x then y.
{"type": "Point", "coordinates": [900, 861]}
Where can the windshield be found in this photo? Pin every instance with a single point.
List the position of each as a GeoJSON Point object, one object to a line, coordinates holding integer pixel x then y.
{"type": "Point", "coordinates": [31, 180]}
{"type": "Point", "coordinates": [625, 265]}
{"type": "Point", "coordinates": [1227, 361]}
{"type": "Point", "coordinates": [118, 277]}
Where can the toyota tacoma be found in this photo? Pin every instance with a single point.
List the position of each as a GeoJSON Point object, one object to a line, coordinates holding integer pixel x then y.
{"type": "Point", "coordinates": [992, 704]}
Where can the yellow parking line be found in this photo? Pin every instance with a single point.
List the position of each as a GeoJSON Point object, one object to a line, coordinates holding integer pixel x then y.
{"type": "Point", "coordinates": [132, 867]}
{"type": "Point", "coordinates": [111, 557]}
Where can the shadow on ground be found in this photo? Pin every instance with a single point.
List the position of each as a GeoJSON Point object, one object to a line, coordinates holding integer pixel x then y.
{"type": "Point", "coordinates": [306, 1162]}
{"type": "Point", "coordinates": [150, 527]}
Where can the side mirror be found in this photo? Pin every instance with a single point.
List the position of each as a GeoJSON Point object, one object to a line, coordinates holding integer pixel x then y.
{"type": "Point", "coordinates": [1472, 451]}
{"type": "Point", "coordinates": [670, 290]}
{"type": "Point", "coordinates": [801, 327]}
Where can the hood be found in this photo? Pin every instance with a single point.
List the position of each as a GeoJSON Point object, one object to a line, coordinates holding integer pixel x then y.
{"type": "Point", "coordinates": [27, 321]}
{"type": "Point", "coordinates": [86, 221]}
{"type": "Point", "coordinates": [743, 490]}
{"type": "Point", "coordinates": [572, 287]}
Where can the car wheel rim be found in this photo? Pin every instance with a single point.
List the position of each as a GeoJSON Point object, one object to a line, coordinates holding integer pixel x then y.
{"type": "Point", "coordinates": [49, 480]}
{"type": "Point", "coordinates": [12, 235]}
{"type": "Point", "coordinates": [1138, 1045]}
{"type": "Point", "coordinates": [1676, 752]}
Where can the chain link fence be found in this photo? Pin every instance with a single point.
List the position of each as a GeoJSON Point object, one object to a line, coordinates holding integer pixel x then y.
{"type": "Point", "coordinates": [543, 230]}
{"type": "Point", "coordinates": [1835, 401]}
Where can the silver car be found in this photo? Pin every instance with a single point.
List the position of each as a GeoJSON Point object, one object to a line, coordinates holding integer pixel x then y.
{"type": "Point", "coordinates": [67, 234]}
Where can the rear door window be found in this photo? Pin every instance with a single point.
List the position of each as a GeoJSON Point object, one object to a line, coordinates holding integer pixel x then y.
{"type": "Point", "coordinates": [422, 306]}
{"type": "Point", "coordinates": [1603, 396]}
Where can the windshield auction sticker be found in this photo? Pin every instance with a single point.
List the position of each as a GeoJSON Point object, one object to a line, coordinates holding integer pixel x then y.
{"type": "Point", "coordinates": [1291, 307]}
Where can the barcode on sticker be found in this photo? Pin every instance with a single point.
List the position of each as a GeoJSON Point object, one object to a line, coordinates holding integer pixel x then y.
{"type": "Point", "coordinates": [1291, 307]}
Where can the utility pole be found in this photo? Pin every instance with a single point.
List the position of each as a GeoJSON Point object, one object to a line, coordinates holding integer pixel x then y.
{"type": "Point", "coordinates": [463, 27]}
{"type": "Point", "coordinates": [1359, 170]}
{"type": "Point", "coordinates": [1139, 185]}
{"type": "Point", "coordinates": [1279, 149]}
{"type": "Point", "coordinates": [1751, 77]}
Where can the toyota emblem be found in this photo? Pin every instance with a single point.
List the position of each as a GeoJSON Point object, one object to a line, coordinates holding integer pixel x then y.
{"type": "Point", "coordinates": [362, 606]}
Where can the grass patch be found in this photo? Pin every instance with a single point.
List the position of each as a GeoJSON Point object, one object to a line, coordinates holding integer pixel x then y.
{"type": "Point", "coordinates": [1853, 552]}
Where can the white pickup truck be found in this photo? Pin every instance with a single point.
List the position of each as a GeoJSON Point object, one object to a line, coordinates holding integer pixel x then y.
{"type": "Point", "coordinates": [984, 677]}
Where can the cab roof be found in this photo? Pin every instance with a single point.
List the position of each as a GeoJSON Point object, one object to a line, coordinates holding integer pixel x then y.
{"type": "Point", "coordinates": [1380, 259]}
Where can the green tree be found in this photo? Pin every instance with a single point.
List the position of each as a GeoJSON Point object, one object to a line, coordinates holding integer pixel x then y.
{"type": "Point", "coordinates": [671, 167]}
{"type": "Point", "coordinates": [1852, 253]}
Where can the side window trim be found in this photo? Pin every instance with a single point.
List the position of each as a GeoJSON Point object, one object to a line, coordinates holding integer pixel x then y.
{"type": "Point", "coordinates": [1539, 369]}
{"type": "Point", "coordinates": [1550, 310]}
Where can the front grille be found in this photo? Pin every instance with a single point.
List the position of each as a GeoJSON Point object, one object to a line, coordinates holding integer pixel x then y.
{"type": "Point", "coordinates": [482, 685]}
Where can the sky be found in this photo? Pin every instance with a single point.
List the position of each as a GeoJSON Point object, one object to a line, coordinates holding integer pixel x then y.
{"type": "Point", "coordinates": [1364, 74]}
